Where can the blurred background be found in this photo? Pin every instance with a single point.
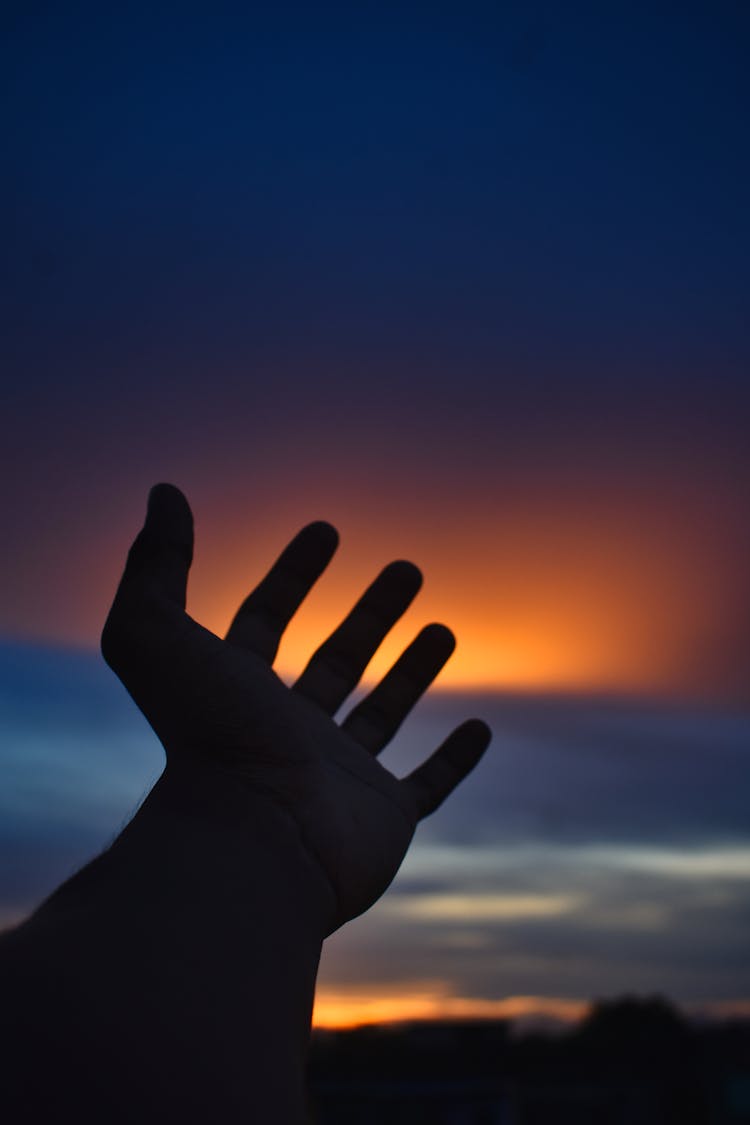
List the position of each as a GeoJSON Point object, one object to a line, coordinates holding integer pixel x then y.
{"type": "Point", "coordinates": [471, 282]}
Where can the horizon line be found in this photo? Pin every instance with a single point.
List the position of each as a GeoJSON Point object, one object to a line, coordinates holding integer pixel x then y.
{"type": "Point", "coordinates": [557, 689]}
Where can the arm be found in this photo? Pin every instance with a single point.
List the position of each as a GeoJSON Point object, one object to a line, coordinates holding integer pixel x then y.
{"type": "Point", "coordinates": [173, 978]}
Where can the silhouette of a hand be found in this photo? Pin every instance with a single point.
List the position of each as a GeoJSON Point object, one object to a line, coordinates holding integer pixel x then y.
{"type": "Point", "coordinates": [218, 705]}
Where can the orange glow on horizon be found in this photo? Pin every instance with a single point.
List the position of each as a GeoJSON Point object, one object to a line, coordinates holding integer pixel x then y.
{"type": "Point", "coordinates": [431, 1001]}
{"type": "Point", "coordinates": [558, 587]}
{"type": "Point", "coordinates": [551, 603]}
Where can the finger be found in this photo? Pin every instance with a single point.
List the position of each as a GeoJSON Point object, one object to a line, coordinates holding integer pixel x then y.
{"type": "Point", "coordinates": [335, 669]}
{"type": "Point", "coordinates": [154, 581]}
{"type": "Point", "coordinates": [160, 557]}
{"type": "Point", "coordinates": [429, 784]}
{"type": "Point", "coordinates": [266, 612]}
{"type": "Point", "coordinates": [376, 719]}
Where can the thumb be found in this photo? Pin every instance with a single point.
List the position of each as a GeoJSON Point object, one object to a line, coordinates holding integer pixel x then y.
{"type": "Point", "coordinates": [160, 557]}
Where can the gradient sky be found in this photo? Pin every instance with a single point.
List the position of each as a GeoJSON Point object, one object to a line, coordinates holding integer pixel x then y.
{"type": "Point", "coordinates": [469, 280]}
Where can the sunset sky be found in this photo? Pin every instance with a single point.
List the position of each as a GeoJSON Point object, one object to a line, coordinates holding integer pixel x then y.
{"type": "Point", "coordinates": [470, 281]}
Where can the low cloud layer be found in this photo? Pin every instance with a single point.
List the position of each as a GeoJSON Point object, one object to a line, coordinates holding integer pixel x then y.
{"type": "Point", "coordinates": [602, 845]}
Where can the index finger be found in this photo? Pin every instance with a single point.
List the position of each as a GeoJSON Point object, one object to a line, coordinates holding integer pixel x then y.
{"type": "Point", "coordinates": [265, 613]}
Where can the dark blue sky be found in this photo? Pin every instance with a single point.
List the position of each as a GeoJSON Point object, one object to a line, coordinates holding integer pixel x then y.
{"type": "Point", "coordinates": [557, 188]}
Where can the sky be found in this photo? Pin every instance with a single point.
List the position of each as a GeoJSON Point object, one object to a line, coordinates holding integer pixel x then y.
{"type": "Point", "coordinates": [471, 282]}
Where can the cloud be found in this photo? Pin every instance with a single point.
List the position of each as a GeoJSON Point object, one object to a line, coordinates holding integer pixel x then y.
{"type": "Point", "coordinates": [601, 846]}
{"type": "Point", "coordinates": [565, 769]}
{"type": "Point", "coordinates": [76, 758]}
{"type": "Point", "coordinates": [482, 907]}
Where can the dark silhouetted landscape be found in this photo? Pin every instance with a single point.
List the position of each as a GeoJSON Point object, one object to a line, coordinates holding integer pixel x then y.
{"type": "Point", "coordinates": [632, 1062]}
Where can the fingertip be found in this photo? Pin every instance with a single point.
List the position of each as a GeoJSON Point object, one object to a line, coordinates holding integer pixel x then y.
{"type": "Point", "coordinates": [164, 497]}
{"type": "Point", "coordinates": [435, 779]}
{"type": "Point", "coordinates": [322, 527]}
{"type": "Point", "coordinates": [440, 636]}
{"type": "Point", "coordinates": [164, 489]}
{"type": "Point", "coordinates": [322, 534]}
{"type": "Point", "coordinates": [471, 740]}
{"type": "Point", "coordinates": [405, 573]}
{"type": "Point", "coordinates": [479, 730]}
{"type": "Point", "coordinates": [311, 550]}
{"type": "Point", "coordinates": [168, 514]}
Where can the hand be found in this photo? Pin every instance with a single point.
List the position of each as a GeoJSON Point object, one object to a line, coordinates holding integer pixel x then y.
{"type": "Point", "coordinates": [217, 704]}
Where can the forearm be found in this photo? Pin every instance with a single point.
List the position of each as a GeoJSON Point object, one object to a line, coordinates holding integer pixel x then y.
{"type": "Point", "coordinates": [173, 978]}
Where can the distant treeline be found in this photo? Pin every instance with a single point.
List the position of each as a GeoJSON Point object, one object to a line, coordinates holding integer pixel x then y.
{"type": "Point", "coordinates": [631, 1062]}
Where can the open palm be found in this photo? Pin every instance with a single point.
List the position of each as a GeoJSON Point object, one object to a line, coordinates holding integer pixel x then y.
{"type": "Point", "coordinates": [219, 704]}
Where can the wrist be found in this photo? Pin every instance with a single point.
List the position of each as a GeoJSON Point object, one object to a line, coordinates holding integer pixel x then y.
{"type": "Point", "coordinates": [203, 838]}
{"type": "Point", "coordinates": [206, 913]}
